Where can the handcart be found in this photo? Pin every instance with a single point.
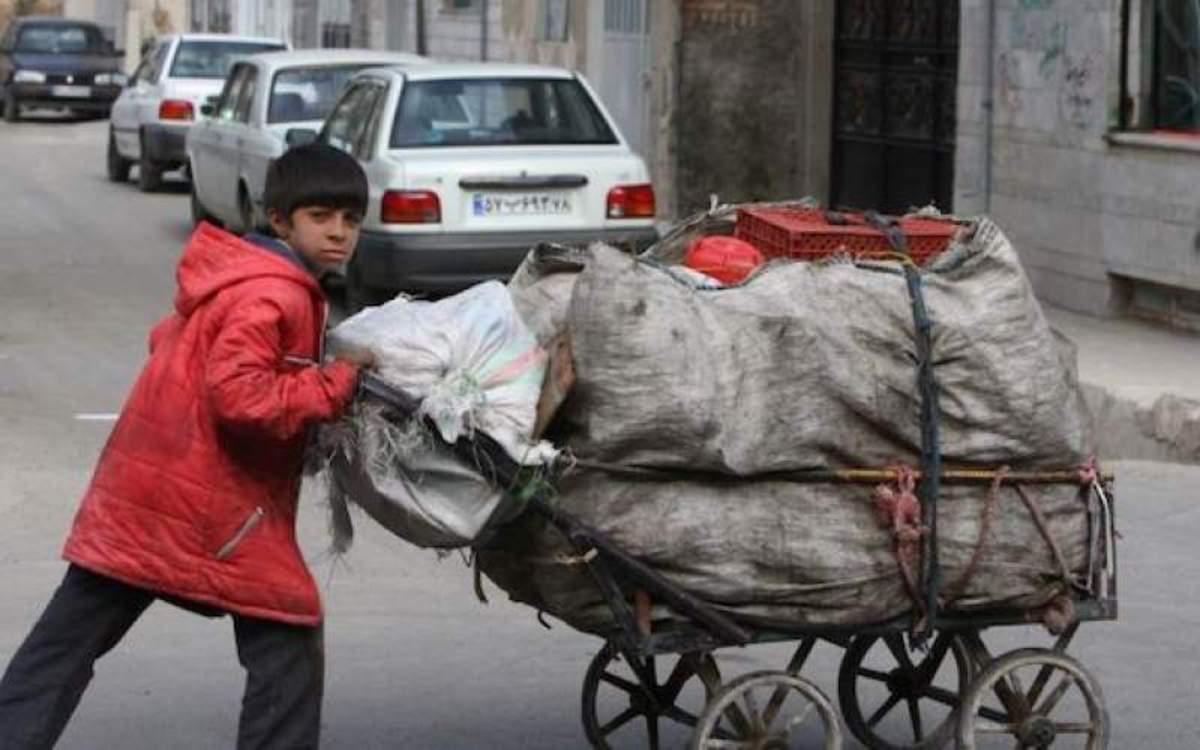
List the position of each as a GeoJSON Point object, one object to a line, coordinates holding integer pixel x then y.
{"type": "Point", "coordinates": [1026, 698]}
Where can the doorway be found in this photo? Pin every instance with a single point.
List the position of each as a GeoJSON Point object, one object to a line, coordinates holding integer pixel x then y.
{"type": "Point", "coordinates": [895, 80]}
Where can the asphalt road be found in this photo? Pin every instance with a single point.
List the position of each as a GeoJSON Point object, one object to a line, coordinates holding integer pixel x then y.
{"type": "Point", "coordinates": [414, 660]}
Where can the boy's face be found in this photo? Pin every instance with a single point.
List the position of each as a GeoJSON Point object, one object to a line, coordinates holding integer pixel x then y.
{"type": "Point", "coordinates": [324, 236]}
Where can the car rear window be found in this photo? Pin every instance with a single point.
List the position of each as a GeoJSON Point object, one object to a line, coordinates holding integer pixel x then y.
{"type": "Point", "coordinates": [60, 39]}
{"type": "Point", "coordinates": [484, 112]}
{"type": "Point", "coordinates": [307, 93]}
{"type": "Point", "coordinates": [197, 58]}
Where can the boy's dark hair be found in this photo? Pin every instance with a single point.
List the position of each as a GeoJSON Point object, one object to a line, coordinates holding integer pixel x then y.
{"type": "Point", "coordinates": [315, 174]}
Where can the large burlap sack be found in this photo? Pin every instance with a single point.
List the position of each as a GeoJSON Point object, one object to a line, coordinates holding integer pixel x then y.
{"type": "Point", "coordinates": [814, 364]}
{"type": "Point", "coordinates": [788, 554]}
{"type": "Point", "coordinates": [804, 365]}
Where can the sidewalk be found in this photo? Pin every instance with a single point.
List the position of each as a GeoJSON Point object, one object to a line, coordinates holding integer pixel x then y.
{"type": "Point", "coordinates": [1142, 382]}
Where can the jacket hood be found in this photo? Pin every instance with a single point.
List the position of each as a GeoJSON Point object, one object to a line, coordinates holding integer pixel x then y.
{"type": "Point", "coordinates": [215, 259]}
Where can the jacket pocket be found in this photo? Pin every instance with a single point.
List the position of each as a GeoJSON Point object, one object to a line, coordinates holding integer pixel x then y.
{"type": "Point", "coordinates": [249, 525]}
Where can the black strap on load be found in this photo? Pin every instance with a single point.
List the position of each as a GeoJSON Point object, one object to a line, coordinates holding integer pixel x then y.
{"type": "Point", "coordinates": [931, 455]}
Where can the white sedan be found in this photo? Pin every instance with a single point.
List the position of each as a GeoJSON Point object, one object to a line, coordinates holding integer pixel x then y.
{"type": "Point", "coordinates": [471, 164]}
{"type": "Point", "coordinates": [244, 129]}
{"type": "Point", "coordinates": [152, 116]}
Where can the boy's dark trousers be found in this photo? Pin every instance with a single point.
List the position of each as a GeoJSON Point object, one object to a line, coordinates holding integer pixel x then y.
{"type": "Point", "coordinates": [89, 614]}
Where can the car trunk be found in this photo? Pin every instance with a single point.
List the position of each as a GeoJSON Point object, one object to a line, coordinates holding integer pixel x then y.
{"type": "Point", "coordinates": [521, 188]}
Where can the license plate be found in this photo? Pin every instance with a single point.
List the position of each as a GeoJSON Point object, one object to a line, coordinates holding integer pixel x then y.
{"type": "Point", "coordinates": [522, 204]}
{"type": "Point", "coordinates": [71, 92]}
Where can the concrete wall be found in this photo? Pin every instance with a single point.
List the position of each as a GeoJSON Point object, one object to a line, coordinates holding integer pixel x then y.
{"type": "Point", "coordinates": [751, 121]}
{"type": "Point", "coordinates": [1089, 215]}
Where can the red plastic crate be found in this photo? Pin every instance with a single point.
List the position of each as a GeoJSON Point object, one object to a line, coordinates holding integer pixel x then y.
{"type": "Point", "coordinates": [807, 234]}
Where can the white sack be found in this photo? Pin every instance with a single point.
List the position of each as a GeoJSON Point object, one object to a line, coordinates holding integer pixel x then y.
{"type": "Point", "coordinates": [476, 367]}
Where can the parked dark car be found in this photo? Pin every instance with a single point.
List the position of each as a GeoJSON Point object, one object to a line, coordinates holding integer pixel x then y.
{"type": "Point", "coordinates": [59, 63]}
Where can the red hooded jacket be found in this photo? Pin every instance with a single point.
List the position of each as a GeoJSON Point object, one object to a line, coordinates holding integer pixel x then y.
{"type": "Point", "coordinates": [195, 494]}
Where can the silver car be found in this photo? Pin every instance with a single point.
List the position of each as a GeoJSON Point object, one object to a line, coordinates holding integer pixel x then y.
{"type": "Point", "coordinates": [472, 164]}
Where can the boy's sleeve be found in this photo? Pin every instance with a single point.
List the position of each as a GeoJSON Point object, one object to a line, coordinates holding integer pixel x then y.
{"type": "Point", "coordinates": [167, 326]}
{"type": "Point", "coordinates": [252, 387]}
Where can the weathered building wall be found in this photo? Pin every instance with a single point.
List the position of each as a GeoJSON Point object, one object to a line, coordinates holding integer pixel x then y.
{"type": "Point", "coordinates": [11, 8]}
{"type": "Point", "coordinates": [523, 38]}
{"type": "Point", "coordinates": [748, 109]}
{"type": "Point", "coordinates": [1091, 217]}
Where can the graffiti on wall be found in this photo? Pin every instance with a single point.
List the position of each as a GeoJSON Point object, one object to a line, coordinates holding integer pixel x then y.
{"type": "Point", "coordinates": [1079, 91]}
{"type": "Point", "coordinates": [1042, 32]}
{"type": "Point", "coordinates": [1053, 56]}
{"type": "Point", "coordinates": [737, 14]}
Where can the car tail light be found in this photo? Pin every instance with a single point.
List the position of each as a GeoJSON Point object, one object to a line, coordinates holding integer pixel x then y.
{"type": "Point", "coordinates": [631, 202]}
{"type": "Point", "coordinates": [175, 109]}
{"type": "Point", "coordinates": [411, 207]}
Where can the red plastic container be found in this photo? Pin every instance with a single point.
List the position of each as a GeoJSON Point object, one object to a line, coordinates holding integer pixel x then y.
{"type": "Point", "coordinates": [726, 259]}
{"type": "Point", "coordinates": [807, 234]}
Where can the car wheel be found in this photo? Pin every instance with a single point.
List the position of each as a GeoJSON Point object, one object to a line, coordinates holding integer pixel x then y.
{"type": "Point", "coordinates": [246, 213]}
{"type": "Point", "coordinates": [149, 171]}
{"type": "Point", "coordinates": [199, 212]}
{"type": "Point", "coordinates": [118, 166]}
{"type": "Point", "coordinates": [12, 110]}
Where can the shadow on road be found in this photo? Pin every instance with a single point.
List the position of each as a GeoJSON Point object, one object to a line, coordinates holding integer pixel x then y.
{"type": "Point", "coordinates": [54, 117]}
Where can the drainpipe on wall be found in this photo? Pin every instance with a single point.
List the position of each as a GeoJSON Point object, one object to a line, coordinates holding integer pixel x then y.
{"type": "Point", "coordinates": [420, 10]}
{"type": "Point", "coordinates": [483, 30]}
{"type": "Point", "coordinates": [989, 106]}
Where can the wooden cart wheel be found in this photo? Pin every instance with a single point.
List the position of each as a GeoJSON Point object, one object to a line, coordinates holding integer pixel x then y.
{"type": "Point", "coordinates": [617, 712]}
{"type": "Point", "coordinates": [929, 690]}
{"type": "Point", "coordinates": [768, 711]}
{"type": "Point", "coordinates": [1044, 698]}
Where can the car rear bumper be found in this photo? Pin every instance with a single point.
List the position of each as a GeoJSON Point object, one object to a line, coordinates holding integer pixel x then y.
{"type": "Point", "coordinates": [452, 262]}
{"type": "Point", "coordinates": [166, 144]}
{"type": "Point", "coordinates": [99, 98]}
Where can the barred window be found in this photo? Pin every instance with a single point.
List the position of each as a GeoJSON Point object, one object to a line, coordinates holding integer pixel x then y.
{"type": "Point", "coordinates": [1161, 66]}
{"type": "Point", "coordinates": [1177, 66]}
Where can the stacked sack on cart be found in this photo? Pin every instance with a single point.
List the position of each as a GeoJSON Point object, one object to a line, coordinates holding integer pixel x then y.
{"type": "Point", "coordinates": [696, 408]}
{"type": "Point", "coordinates": [689, 413]}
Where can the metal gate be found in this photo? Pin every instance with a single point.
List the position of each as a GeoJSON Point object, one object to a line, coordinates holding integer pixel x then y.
{"type": "Point", "coordinates": [626, 58]}
{"type": "Point", "coordinates": [895, 67]}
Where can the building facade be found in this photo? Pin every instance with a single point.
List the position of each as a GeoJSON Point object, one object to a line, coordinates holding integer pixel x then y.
{"type": "Point", "coordinates": [1078, 131]}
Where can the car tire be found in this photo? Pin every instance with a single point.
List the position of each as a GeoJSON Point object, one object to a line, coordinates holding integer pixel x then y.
{"type": "Point", "coordinates": [12, 109]}
{"type": "Point", "coordinates": [116, 165]}
{"type": "Point", "coordinates": [199, 212]}
{"type": "Point", "coordinates": [246, 214]}
{"type": "Point", "coordinates": [149, 171]}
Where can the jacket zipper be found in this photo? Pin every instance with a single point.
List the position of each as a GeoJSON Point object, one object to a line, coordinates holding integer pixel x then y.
{"type": "Point", "coordinates": [250, 524]}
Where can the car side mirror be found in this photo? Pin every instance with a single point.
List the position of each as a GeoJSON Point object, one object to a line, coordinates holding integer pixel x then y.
{"type": "Point", "coordinates": [299, 137]}
{"type": "Point", "coordinates": [208, 106]}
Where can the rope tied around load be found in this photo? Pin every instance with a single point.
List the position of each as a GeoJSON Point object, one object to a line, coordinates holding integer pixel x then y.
{"type": "Point", "coordinates": [899, 511]}
{"type": "Point", "coordinates": [985, 525]}
{"type": "Point", "coordinates": [1089, 473]}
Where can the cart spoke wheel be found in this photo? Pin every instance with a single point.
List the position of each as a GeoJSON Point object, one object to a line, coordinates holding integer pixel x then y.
{"type": "Point", "coordinates": [621, 720]}
{"type": "Point", "coordinates": [768, 711]}
{"type": "Point", "coordinates": [878, 675]}
{"type": "Point", "coordinates": [618, 712]}
{"type": "Point", "coordinates": [1071, 714]}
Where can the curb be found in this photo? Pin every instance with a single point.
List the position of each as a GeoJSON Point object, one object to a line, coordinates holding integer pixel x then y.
{"type": "Point", "coordinates": [1167, 430]}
